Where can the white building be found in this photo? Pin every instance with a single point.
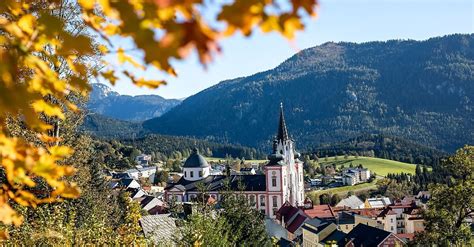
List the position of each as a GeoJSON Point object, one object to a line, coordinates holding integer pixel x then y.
{"type": "Point", "coordinates": [352, 176]}
{"type": "Point", "coordinates": [282, 179]}
{"type": "Point", "coordinates": [144, 172]}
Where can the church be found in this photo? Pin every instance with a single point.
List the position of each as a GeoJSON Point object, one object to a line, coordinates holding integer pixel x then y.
{"type": "Point", "coordinates": [281, 182]}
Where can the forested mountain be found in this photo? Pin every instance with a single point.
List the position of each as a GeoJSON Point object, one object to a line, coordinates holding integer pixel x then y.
{"type": "Point", "coordinates": [105, 127]}
{"type": "Point", "coordinates": [418, 90]}
{"type": "Point", "coordinates": [382, 146]}
{"type": "Point", "coordinates": [125, 107]}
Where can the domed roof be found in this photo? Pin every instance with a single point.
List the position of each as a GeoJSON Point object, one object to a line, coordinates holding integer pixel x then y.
{"type": "Point", "coordinates": [195, 160]}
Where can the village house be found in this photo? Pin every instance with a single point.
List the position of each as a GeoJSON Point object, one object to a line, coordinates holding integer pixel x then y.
{"type": "Point", "coordinates": [352, 176]}
{"type": "Point", "coordinates": [143, 160]}
{"type": "Point", "coordinates": [317, 232]}
{"type": "Point", "coordinates": [351, 202]}
{"type": "Point", "coordinates": [378, 202]}
{"type": "Point", "coordinates": [142, 172]}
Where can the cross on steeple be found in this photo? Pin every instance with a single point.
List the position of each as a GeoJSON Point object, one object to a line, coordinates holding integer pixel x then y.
{"type": "Point", "coordinates": [282, 131]}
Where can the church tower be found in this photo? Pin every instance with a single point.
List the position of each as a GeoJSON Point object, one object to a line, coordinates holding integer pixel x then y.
{"type": "Point", "coordinates": [284, 171]}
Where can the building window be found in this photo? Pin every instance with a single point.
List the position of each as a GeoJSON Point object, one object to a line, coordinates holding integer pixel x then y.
{"type": "Point", "coordinates": [391, 228]}
{"type": "Point", "coordinates": [274, 181]}
{"type": "Point", "coordinates": [200, 173]}
{"type": "Point", "coordinates": [274, 201]}
{"type": "Point", "coordinates": [192, 174]}
{"type": "Point", "coordinates": [391, 220]}
{"type": "Point", "coordinates": [252, 200]}
{"type": "Point", "coordinates": [185, 174]}
{"type": "Point", "coordinates": [262, 211]}
{"type": "Point", "coordinates": [262, 200]}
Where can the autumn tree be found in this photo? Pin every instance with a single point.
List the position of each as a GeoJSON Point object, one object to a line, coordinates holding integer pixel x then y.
{"type": "Point", "coordinates": [46, 61]}
{"type": "Point", "coordinates": [450, 205]}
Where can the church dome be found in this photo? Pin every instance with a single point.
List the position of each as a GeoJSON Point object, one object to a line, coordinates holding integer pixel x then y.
{"type": "Point", "coordinates": [195, 160]}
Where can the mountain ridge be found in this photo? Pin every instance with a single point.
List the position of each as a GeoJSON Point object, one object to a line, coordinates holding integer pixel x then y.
{"type": "Point", "coordinates": [336, 91]}
{"type": "Point", "coordinates": [105, 101]}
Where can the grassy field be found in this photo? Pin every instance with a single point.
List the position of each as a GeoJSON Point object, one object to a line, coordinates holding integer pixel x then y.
{"type": "Point", "coordinates": [342, 191]}
{"type": "Point", "coordinates": [380, 166]}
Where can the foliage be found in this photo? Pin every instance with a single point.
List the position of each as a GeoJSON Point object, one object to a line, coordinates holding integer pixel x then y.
{"type": "Point", "coordinates": [246, 225]}
{"type": "Point", "coordinates": [48, 55]}
{"type": "Point", "coordinates": [175, 147]}
{"type": "Point", "coordinates": [382, 146]}
{"type": "Point", "coordinates": [203, 228]}
{"type": "Point", "coordinates": [451, 204]}
{"type": "Point", "coordinates": [233, 221]}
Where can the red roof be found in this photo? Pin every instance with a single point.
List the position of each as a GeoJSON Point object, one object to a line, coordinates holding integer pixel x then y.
{"type": "Point", "coordinates": [368, 212]}
{"type": "Point", "coordinates": [320, 211]}
{"type": "Point", "coordinates": [409, 236]}
{"type": "Point", "coordinates": [296, 223]}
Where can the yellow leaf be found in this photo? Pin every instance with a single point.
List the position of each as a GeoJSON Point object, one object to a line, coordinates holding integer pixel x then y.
{"type": "Point", "coordinates": [122, 58]}
{"type": "Point", "coordinates": [149, 83]}
{"type": "Point", "coordinates": [48, 109]}
{"type": "Point", "coordinates": [109, 76]}
{"type": "Point", "coordinates": [26, 23]}
{"type": "Point", "coordinates": [87, 4]}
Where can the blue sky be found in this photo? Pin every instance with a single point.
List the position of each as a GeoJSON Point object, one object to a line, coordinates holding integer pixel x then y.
{"type": "Point", "coordinates": [338, 20]}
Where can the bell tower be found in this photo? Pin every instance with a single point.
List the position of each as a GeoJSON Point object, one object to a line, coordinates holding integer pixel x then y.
{"type": "Point", "coordinates": [284, 162]}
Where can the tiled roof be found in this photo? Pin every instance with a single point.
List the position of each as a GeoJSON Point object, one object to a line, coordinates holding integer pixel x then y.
{"type": "Point", "coordinates": [160, 228]}
{"type": "Point", "coordinates": [368, 212]}
{"type": "Point", "coordinates": [337, 236]}
{"type": "Point", "coordinates": [351, 202]}
{"type": "Point", "coordinates": [367, 236]}
{"type": "Point", "coordinates": [345, 218]}
{"type": "Point", "coordinates": [296, 223]}
{"type": "Point", "coordinates": [320, 211]}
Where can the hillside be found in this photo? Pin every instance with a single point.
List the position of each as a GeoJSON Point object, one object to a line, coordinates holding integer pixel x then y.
{"type": "Point", "coordinates": [382, 146]}
{"type": "Point", "coordinates": [417, 90]}
{"type": "Point", "coordinates": [125, 107]}
{"type": "Point", "coordinates": [105, 127]}
{"type": "Point", "coordinates": [380, 166]}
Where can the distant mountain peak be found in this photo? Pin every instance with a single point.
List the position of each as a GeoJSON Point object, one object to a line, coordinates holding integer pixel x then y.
{"type": "Point", "coordinates": [105, 101]}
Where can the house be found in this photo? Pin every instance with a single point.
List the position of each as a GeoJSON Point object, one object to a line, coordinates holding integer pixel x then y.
{"type": "Point", "coordinates": [277, 231]}
{"type": "Point", "coordinates": [318, 232]}
{"type": "Point", "coordinates": [125, 183]}
{"type": "Point", "coordinates": [323, 211]}
{"type": "Point", "coordinates": [247, 171]}
{"type": "Point", "coordinates": [143, 172]}
{"type": "Point", "coordinates": [380, 218]}
{"type": "Point", "coordinates": [282, 179]}
{"type": "Point", "coordinates": [345, 221]}
{"type": "Point", "coordinates": [366, 236]}
{"type": "Point", "coordinates": [350, 179]}
{"type": "Point", "coordinates": [413, 221]}
{"type": "Point", "coordinates": [352, 202]}
{"type": "Point", "coordinates": [292, 218]}
{"type": "Point", "coordinates": [136, 192]}
{"type": "Point", "coordinates": [148, 202]}
{"type": "Point", "coordinates": [379, 202]}
{"type": "Point", "coordinates": [352, 176]}
{"type": "Point", "coordinates": [143, 159]}
{"type": "Point", "coordinates": [159, 228]}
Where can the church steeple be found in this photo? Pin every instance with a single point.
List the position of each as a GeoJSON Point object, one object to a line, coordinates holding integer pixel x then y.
{"type": "Point", "coordinates": [282, 131]}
